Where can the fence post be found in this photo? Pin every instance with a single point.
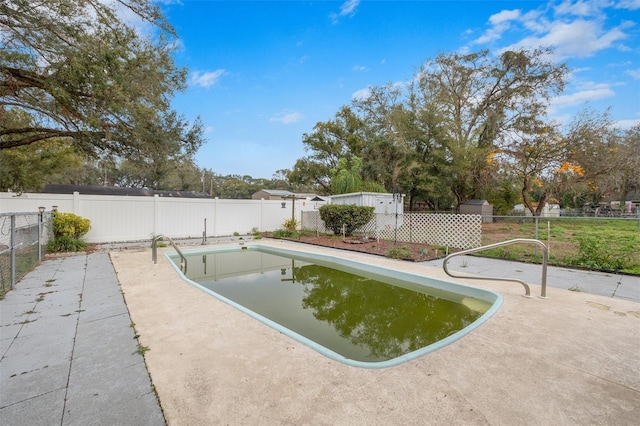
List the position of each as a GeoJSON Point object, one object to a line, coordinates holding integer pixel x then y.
{"type": "Point", "coordinates": [13, 250]}
{"type": "Point", "coordinates": [215, 216]}
{"type": "Point", "coordinates": [535, 249]}
{"type": "Point", "coordinates": [156, 214]}
{"type": "Point", "coordinates": [76, 203]}
{"type": "Point", "coordinates": [40, 234]}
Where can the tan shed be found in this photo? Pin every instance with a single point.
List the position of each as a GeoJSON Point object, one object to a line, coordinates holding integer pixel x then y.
{"type": "Point", "coordinates": [481, 207]}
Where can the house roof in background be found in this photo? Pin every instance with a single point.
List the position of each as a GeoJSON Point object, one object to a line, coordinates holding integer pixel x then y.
{"type": "Point", "coordinates": [116, 190]}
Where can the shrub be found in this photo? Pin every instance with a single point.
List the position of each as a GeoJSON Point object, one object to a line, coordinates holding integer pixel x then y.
{"type": "Point", "coordinates": [68, 230]}
{"type": "Point", "coordinates": [401, 252]}
{"type": "Point", "coordinates": [349, 215]}
{"type": "Point", "coordinates": [256, 233]}
{"type": "Point", "coordinates": [284, 233]}
{"type": "Point", "coordinates": [594, 253]}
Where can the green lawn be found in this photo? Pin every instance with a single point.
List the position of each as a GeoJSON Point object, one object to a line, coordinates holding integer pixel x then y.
{"type": "Point", "coordinates": [599, 244]}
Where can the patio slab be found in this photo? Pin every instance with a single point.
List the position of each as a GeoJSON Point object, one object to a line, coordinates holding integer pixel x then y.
{"type": "Point", "coordinates": [68, 352]}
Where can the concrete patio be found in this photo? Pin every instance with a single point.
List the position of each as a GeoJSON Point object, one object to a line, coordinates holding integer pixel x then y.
{"type": "Point", "coordinates": [571, 359]}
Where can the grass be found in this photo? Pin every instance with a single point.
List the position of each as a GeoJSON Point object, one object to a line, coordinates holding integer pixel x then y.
{"type": "Point", "coordinates": [598, 244]}
{"type": "Point", "coordinates": [141, 350]}
{"type": "Point", "coordinates": [26, 260]}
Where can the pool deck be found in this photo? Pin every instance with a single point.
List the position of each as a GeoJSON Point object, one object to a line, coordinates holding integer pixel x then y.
{"type": "Point", "coordinates": [569, 359]}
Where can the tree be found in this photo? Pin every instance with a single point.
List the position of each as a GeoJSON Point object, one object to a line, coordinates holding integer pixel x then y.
{"type": "Point", "coordinates": [403, 149]}
{"type": "Point", "coordinates": [338, 138]}
{"type": "Point", "coordinates": [626, 174]}
{"type": "Point", "coordinates": [545, 158]}
{"type": "Point", "coordinates": [84, 75]}
{"type": "Point", "coordinates": [29, 168]}
{"type": "Point", "coordinates": [478, 97]}
{"type": "Point", "coordinates": [533, 154]}
{"type": "Point", "coordinates": [347, 178]}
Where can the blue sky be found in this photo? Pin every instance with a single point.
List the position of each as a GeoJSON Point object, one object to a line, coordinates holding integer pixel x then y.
{"type": "Point", "coordinates": [263, 73]}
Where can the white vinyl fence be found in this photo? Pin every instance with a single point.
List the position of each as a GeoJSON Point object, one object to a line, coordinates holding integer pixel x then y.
{"type": "Point", "coordinates": [125, 218]}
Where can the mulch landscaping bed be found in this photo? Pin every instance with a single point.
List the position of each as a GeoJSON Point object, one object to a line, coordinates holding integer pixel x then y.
{"type": "Point", "coordinates": [398, 250]}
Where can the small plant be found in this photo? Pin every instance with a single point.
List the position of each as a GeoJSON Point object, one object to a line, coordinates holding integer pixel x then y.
{"type": "Point", "coordinates": [68, 230]}
{"type": "Point", "coordinates": [256, 233]}
{"type": "Point", "coordinates": [236, 234]}
{"type": "Point", "coordinates": [141, 350]}
{"type": "Point", "coordinates": [575, 288]}
{"type": "Point", "coordinates": [290, 224]}
{"type": "Point", "coordinates": [159, 242]}
{"type": "Point", "coordinates": [401, 252]}
{"type": "Point", "coordinates": [284, 233]}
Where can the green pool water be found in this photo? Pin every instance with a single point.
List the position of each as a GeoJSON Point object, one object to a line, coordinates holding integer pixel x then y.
{"type": "Point", "coordinates": [357, 314]}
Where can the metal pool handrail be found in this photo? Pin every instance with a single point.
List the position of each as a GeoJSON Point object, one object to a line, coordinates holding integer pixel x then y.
{"type": "Point", "coordinates": [545, 259]}
{"type": "Point", "coordinates": [154, 252]}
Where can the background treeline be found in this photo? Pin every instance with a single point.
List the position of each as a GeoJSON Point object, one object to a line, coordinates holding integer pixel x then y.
{"type": "Point", "coordinates": [85, 98]}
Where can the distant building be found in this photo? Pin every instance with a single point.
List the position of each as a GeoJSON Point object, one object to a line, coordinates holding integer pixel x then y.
{"type": "Point", "coordinates": [481, 207]}
{"type": "Point", "coordinates": [272, 194]}
{"type": "Point", "coordinates": [117, 190]}
{"type": "Point", "coordinates": [388, 208]}
{"type": "Point", "coordinates": [305, 201]}
{"type": "Point", "coordinates": [549, 210]}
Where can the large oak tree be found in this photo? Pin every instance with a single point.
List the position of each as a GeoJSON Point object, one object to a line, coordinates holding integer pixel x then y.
{"type": "Point", "coordinates": [85, 75]}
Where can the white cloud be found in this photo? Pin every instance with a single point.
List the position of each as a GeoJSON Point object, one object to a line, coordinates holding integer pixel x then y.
{"type": "Point", "coordinates": [504, 16]}
{"type": "Point", "coordinates": [635, 74]}
{"type": "Point", "coordinates": [500, 22]}
{"type": "Point", "coordinates": [287, 118]}
{"type": "Point", "coordinates": [579, 38]}
{"type": "Point", "coordinates": [589, 92]}
{"type": "Point", "coordinates": [361, 94]}
{"type": "Point", "coordinates": [627, 4]}
{"type": "Point", "coordinates": [206, 79]}
{"type": "Point", "coordinates": [627, 124]}
{"type": "Point", "coordinates": [579, 8]}
{"type": "Point", "coordinates": [359, 68]}
{"type": "Point", "coordinates": [573, 28]}
{"type": "Point", "coordinates": [348, 8]}
{"type": "Point", "coordinates": [209, 129]}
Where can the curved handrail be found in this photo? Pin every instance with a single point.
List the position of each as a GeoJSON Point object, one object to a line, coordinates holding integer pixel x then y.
{"type": "Point", "coordinates": [545, 259]}
{"type": "Point", "coordinates": [154, 252]}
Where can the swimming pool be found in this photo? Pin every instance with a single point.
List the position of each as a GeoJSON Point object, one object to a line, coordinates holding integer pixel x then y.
{"type": "Point", "coordinates": [356, 313]}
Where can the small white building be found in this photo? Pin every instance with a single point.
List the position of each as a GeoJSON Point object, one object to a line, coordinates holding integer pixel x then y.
{"type": "Point", "coordinates": [386, 206]}
{"type": "Point", "coordinates": [549, 210]}
{"type": "Point", "coordinates": [382, 202]}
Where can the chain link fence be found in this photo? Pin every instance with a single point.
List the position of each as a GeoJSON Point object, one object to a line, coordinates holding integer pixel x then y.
{"type": "Point", "coordinates": [440, 229]}
{"type": "Point", "coordinates": [23, 241]}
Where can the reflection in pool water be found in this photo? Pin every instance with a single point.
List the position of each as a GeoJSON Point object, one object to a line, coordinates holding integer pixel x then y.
{"type": "Point", "coordinates": [361, 316]}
